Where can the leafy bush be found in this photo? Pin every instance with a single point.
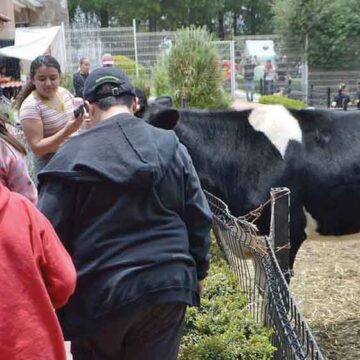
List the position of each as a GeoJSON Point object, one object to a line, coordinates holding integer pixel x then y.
{"type": "Point", "coordinates": [282, 100]}
{"type": "Point", "coordinates": [67, 82]}
{"type": "Point", "coordinates": [129, 66]}
{"type": "Point", "coordinates": [222, 327]}
{"type": "Point", "coordinates": [193, 69]}
{"type": "Point", "coordinates": [9, 112]}
{"type": "Point", "coordinates": [160, 78]}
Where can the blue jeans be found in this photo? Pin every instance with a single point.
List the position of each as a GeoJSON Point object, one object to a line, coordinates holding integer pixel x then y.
{"type": "Point", "coordinates": [249, 88]}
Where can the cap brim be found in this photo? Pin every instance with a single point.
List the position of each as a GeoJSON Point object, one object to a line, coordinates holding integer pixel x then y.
{"type": "Point", "coordinates": [108, 63]}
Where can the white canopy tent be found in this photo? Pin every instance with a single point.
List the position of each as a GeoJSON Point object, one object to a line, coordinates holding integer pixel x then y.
{"type": "Point", "coordinates": [262, 49]}
{"type": "Point", "coordinates": [34, 41]}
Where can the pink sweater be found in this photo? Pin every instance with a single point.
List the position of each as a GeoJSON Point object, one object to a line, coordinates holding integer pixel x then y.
{"type": "Point", "coordinates": [14, 173]}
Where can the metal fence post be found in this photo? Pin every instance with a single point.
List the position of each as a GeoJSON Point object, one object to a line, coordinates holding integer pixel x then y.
{"type": "Point", "coordinates": [135, 50]}
{"type": "Point", "coordinates": [328, 94]}
{"type": "Point", "coordinates": [280, 219]}
{"type": "Point", "coordinates": [311, 96]}
{"type": "Point", "coordinates": [184, 102]}
{"type": "Point", "coordinates": [233, 69]}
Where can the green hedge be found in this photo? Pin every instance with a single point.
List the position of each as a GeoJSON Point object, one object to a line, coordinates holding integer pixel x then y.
{"type": "Point", "coordinates": [129, 66]}
{"type": "Point", "coordinates": [282, 100]}
{"type": "Point", "coordinates": [67, 82]}
{"type": "Point", "coordinates": [222, 328]}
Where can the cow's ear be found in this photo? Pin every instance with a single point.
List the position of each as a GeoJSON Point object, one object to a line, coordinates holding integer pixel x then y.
{"type": "Point", "coordinates": [165, 119]}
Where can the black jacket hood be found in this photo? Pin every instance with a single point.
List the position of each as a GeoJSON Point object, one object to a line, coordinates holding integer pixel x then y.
{"type": "Point", "coordinates": [127, 159]}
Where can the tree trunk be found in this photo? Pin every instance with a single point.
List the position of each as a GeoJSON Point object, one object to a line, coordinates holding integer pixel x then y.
{"type": "Point", "coordinates": [235, 17]}
{"type": "Point", "coordinates": [221, 25]}
{"type": "Point", "coordinates": [152, 23]}
{"type": "Point", "coordinates": [252, 21]}
{"type": "Point", "coordinates": [104, 18]}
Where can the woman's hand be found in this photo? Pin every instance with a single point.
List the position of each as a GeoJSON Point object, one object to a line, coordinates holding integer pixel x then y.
{"type": "Point", "coordinates": [74, 124]}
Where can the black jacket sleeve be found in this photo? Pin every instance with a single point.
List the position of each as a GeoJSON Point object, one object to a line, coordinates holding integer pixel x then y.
{"type": "Point", "coordinates": [197, 216]}
{"type": "Point", "coordinates": [57, 202]}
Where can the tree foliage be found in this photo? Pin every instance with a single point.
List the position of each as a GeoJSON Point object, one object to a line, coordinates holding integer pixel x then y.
{"type": "Point", "coordinates": [330, 25]}
{"type": "Point", "coordinates": [218, 16]}
{"type": "Point", "coordinates": [193, 70]}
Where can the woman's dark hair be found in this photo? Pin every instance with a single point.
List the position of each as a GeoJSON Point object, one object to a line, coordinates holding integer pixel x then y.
{"type": "Point", "coordinates": [29, 87]}
{"type": "Point", "coordinates": [7, 137]}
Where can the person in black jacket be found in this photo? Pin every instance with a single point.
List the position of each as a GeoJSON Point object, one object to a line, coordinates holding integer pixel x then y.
{"type": "Point", "coordinates": [80, 76]}
{"type": "Point", "coordinates": [127, 204]}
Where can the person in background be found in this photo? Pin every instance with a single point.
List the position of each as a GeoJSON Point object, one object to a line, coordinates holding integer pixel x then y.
{"type": "Point", "coordinates": [342, 99]}
{"type": "Point", "coordinates": [80, 76]}
{"type": "Point", "coordinates": [46, 110]}
{"type": "Point", "coordinates": [13, 170]}
{"type": "Point", "coordinates": [36, 277]}
{"type": "Point", "coordinates": [127, 203]}
{"type": "Point", "coordinates": [357, 96]}
{"type": "Point", "coordinates": [269, 76]}
{"type": "Point", "coordinates": [284, 79]}
{"type": "Point", "coordinates": [249, 74]}
{"type": "Point", "coordinates": [107, 60]}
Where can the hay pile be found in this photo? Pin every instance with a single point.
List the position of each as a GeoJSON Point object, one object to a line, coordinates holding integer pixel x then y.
{"type": "Point", "coordinates": [327, 287]}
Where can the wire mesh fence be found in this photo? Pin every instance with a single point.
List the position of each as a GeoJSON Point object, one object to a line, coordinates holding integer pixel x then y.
{"type": "Point", "coordinates": [142, 48]}
{"type": "Point", "coordinates": [292, 75]}
{"type": "Point", "coordinates": [254, 261]}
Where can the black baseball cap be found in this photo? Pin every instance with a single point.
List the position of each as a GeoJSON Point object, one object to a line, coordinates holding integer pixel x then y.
{"type": "Point", "coordinates": [107, 75]}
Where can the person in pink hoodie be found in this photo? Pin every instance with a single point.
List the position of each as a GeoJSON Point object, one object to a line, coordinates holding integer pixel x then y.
{"type": "Point", "coordinates": [37, 276]}
{"type": "Point", "coordinates": [13, 170]}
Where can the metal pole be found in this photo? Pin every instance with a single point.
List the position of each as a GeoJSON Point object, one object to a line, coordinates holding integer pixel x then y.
{"type": "Point", "coordinates": [135, 49]}
{"type": "Point", "coordinates": [311, 97]}
{"type": "Point", "coordinates": [233, 69]}
{"type": "Point", "coordinates": [280, 220]}
{"type": "Point", "coordinates": [63, 47]}
{"type": "Point", "coordinates": [306, 69]}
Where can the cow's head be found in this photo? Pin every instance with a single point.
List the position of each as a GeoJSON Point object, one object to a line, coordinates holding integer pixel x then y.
{"type": "Point", "coordinates": [161, 114]}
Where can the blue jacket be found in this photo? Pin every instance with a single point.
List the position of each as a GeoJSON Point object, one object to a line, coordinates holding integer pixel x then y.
{"type": "Point", "coordinates": [126, 202]}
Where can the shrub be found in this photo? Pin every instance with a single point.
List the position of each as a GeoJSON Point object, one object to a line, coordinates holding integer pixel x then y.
{"type": "Point", "coordinates": [9, 112]}
{"type": "Point", "coordinates": [222, 327]}
{"type": "Point", "coordinates": [282, 100]}
{"type": "Point", "coordinates": [160, 78]}
{"type": "Point", "coordinates": [129, 66]}
{"type": "Point", "coordinates": [193, 68]}
{"type": "Point", "coordinates": [67, 82]}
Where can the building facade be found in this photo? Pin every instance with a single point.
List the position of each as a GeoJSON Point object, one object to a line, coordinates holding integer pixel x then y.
{"type": "Point", "coordinates": [34, 12]}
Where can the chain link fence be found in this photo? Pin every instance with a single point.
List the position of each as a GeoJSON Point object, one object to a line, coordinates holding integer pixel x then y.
{"type": "Point", "coordinates": [316, 87]}
{"type": "Point", "coordinates": [261, 278]}
{"type": "Point", "coordinates": [143, 48]}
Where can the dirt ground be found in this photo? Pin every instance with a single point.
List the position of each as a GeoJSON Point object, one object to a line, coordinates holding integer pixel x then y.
{"type": "Point", "coordinates": [327, 288]}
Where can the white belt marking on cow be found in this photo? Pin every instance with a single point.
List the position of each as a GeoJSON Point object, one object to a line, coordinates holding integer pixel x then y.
{"type": "Point", "coordinates": [312, 233]}
{"type": "Point", "coordinates": [278, 125]}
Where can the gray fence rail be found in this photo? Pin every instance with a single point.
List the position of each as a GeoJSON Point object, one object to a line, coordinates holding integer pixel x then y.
{"type": "Point", "coordinates": [260, 276]}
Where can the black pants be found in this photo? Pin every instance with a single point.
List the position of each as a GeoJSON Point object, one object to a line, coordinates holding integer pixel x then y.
{"type": "Point", "coordinates": [151, 334]}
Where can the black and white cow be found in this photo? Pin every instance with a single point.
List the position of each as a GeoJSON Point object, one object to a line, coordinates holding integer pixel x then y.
{"type": "Point", "coordinates": [240, 155]}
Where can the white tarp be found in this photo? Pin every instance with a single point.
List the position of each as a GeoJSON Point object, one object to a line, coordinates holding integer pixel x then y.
{"type": "Point", "coordinates": [263, 49]}
{"type": "Point", "coordinates": [34, 41]}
